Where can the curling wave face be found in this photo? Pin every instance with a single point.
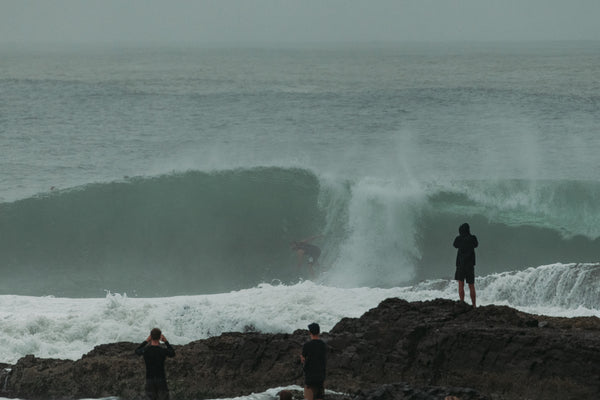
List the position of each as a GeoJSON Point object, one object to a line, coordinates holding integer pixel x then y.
{"type": "Point", "coordinates": [190, 232]}
{"type": "Point", "coordinates": [209, 232]}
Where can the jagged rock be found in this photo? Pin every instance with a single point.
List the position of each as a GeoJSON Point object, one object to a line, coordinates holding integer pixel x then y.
{"type": "Point", "coordinates": [436, 348]}
{"type": "Point", "coordinates": [404, 391]}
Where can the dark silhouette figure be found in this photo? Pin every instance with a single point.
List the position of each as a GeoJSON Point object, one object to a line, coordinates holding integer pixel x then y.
{"type": "Point", "coordinates": [465, 261]}
{"type": "Point", "coordinates": [314, 354]}
{"type": "Point", "coordinates": [154, 358]}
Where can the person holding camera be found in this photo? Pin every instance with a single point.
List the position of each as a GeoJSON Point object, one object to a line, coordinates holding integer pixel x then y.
{"type": "Point", "coordinates": [465, 243]}
{"type": "Point", "coordinates": [154, 357]}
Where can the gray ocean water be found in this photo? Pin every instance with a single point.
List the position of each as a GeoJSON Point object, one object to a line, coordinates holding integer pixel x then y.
{"type": "Point", "coordinates": [121, 162]}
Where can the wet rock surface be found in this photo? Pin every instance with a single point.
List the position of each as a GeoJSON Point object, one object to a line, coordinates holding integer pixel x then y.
{"type": "Point", "coordinates": [398, 350]}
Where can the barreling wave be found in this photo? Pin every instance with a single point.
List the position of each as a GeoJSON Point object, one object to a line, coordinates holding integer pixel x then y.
{"type": "Point", "coordinates": [191, 232]}
{"type": "Point", "coordinates": [200, 232]}
{"type": "Point", "coordinates": [402, 232]}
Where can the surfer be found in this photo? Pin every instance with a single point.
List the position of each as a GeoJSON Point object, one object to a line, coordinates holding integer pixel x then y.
{"type": "Point", "coordinates": [154, 358]}
{"type": "Point", "coordinates": [465, 261]}
{"type": "Point", "coordinates": [314, 360]}
{"type": "Point", "coordinates": [305, 248]}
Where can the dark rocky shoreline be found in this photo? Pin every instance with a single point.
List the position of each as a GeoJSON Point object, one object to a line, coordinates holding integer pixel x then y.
{"type": "Point", "coordinates": [398, 350]}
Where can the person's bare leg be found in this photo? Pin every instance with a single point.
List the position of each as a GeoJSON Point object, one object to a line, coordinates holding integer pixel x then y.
{"type": "Point", "coordinates": [472, 292]}
{"type": "Point", "coordinates": [461, 290]}
{"type": "Point", "coordinates": [308, 393]}
{"type": "Point", "coordinates": [300, 254]}
{"type": "Point", "coordinates": [311, 271]}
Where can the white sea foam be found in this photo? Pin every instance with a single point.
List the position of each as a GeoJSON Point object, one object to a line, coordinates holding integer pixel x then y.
{"type": "Point", "coordinates": [272, 393]}
{"type": "Point", "coordinates": [269, 394]}
{"type": "Point", "coordinates": [68, 328]}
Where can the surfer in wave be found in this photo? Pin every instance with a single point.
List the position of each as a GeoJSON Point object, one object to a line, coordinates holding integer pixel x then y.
{"type": "Point", "coordinates": [305, 248]}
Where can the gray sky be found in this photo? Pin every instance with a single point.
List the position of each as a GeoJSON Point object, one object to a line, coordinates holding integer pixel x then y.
{"type": "Point", "coordinates": [238, 21]}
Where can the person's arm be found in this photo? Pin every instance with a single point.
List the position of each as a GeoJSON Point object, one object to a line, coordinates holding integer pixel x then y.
{"type": "Point", "coordinates": [170, 349]}
{"type": "Point", "coordinates": [140, 349]}
{"type": "Point", "coordinates": [303, 354]}
{"type": "Point", "coordinates": [475, 242]}
{"type": "Point", "coordinates": [310, 239]}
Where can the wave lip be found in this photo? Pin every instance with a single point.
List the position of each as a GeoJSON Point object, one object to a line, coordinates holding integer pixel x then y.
{"type": "Point", "coordinates": [569, 207]}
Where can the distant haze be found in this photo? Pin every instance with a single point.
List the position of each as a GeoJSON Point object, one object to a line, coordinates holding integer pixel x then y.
{"type": "Point", "coordinates": [301, 21]}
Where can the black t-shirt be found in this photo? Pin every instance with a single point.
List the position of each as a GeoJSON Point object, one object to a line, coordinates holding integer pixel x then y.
{"type": "Point", "coordinates": [315, 354]}
{"type": "Point", "coordinates": [154, 357]}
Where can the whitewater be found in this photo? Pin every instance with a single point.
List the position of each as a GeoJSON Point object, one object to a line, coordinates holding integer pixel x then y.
{"type": "Point", "coordinates": [145, 187]}
{"type": "Point", "coordinates": [68, 328]}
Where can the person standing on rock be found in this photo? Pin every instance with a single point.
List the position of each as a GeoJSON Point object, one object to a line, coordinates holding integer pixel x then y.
{"type": "Point", "coordinates": [154, 358]}
{"type": "Point", "coordinates": [465, 261]}
{"type": "Point", "coordinates": [314, 359]}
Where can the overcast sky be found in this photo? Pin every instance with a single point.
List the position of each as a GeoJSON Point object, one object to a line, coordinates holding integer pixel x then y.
{"type": "Point", "coordinates": [255, 21]}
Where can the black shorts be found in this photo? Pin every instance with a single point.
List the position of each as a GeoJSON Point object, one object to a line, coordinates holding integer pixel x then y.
{"type": "Point", "coordinates": [465, 274]}
{"type": "Point", "coordinates": [156, 389]}
{"type": "Point", "coordinates": [317, 389]}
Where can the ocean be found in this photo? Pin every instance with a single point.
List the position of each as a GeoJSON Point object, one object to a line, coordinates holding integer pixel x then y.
{"type": "Point", "coordinates": [148, 186]}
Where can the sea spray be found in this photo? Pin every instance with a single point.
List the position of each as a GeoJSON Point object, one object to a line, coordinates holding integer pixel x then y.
{"type": "Point", "coordinates": [381, 248]}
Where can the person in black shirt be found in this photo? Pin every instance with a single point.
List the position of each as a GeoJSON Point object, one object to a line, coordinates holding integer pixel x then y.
{"type": "Point", "coordinates": [465, 261]}
{"type": "Point", "coordinates": [154, 358]}
{"type": "Point", "coordinates": [314, 359]}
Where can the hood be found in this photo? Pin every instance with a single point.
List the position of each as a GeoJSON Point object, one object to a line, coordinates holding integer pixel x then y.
{"type": "Point", "coordinates": [464, 229]}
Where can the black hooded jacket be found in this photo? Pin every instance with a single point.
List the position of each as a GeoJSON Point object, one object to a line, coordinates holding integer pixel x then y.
{"type": "Point", "coordinates": [466, 244]}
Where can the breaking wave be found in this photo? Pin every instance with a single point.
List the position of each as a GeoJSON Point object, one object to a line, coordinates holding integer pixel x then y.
{"type": "Point", "coordinates": [210, 232]}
